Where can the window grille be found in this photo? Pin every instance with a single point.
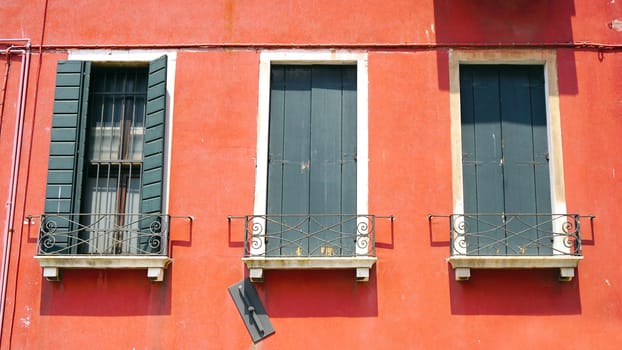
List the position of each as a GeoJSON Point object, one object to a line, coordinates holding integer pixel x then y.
{"type": "Point", "coordinates": [116, 116]}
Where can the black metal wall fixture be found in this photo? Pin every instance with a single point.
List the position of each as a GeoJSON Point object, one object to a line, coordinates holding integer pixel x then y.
{"type": "Point", "coordinates": [251, 310]}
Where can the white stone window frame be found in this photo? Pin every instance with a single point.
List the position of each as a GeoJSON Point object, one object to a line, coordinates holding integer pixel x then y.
{"type": "Point", "coordinates": [548, 59]}
{"type": "Point", "coordinates": [155, 265]}
{"type": "Point", "coordinates": [257, 261]}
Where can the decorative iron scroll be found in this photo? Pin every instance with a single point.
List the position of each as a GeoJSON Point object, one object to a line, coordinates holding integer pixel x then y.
{"type": "Point", "coordinates": [103, 234]}
{"type": "Point", "coordinates": [505, 234]}
{"type": "Point", "coordinates": [309, 235]}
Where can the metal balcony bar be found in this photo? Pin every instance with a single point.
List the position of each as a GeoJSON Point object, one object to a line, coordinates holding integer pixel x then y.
{"type": "Point", "coordinates": [504, 234]}
{"type": "Point", "coordinates": [309, 235]}
{"type": "Point", "coordinates": [103, 235]}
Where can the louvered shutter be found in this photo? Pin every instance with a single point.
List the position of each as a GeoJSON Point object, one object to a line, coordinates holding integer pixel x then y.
{"type": "Point", "coordinates": [66, 161]}
{"type": "Point", "coordinates": [153, 157]}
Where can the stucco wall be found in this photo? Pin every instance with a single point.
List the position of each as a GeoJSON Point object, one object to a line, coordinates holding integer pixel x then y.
{"type": "Point", "coordinates": [411, 300]}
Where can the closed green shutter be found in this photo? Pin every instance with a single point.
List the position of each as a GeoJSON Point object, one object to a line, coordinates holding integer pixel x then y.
{"type": "Point", "coordinates": [288, 158]}
{"type": "Point", "coordinates": [505, 158]}
{"type": "Point", "coordinates": [66, 161]}
{"type": "Point", "coordinates": [525, 153]}
{"type": "Point", "coordinates": [153, 156]}
{"type": "Point", "coordinates": [348, 159]}
{"type": "Point", "coordinates": [311, 161]}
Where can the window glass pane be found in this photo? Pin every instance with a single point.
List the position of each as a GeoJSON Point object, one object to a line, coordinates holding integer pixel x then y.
{"type": "Point", "coordinates": [116, 113]}
{"type": "Point", "coordinates": [100, 201]}
{"type": "Point", "coordinates": [141, 83]}
{"type": "Point", "coordinates": [132, 216]}
{"type": "Point", "coordinates": [135, 145]}
{"type": "Point", "coordinates": [101, 194]}
{"type": "Point", "coordinates": [139, 111]}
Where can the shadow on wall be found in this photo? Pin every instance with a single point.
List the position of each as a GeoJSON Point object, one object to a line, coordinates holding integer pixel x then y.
{"type": "Point", "coordinates": [322, 293]}
{"type": "Point", "coordinates": [514, 292]}
{"type": "Point", "coordinates": [508, 291]}
{"type": "Point", "coordinates": [318, 293]}
{"type": "Point", "coordinates": [500, 24]}
{"type": "Point", "coordinates": [477, 23]}
{"type": "Point", "coordinates": [111, 292]}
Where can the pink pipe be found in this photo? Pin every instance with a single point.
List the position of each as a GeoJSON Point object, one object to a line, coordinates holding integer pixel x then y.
{"type": "Point", "coordinates": [19, 127]}
{"type": "Point", "coordinates": [4, 85]}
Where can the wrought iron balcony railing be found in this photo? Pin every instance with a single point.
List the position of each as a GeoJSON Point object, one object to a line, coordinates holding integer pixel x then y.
{"type": "Point", "coordinates": [505, 234]}
{"type": "Point", "coordinates": [103, 234]}
{"type": "Point", "coordinates": [309, 235]}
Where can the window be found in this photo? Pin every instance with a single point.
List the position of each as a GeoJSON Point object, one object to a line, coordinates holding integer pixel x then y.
{"type": "Point", "coordinates": [105, 184]}
{"type": "Point", "coordinates": [312, 161]}
{"type": "Point", "coordinates": [505, 168]}
{"type": "Point", "coordinates": [509, 202]}
{"type": "Point", "coordinates": [114, 147]}
{"type": "Point", "coordinates": [311, 189]}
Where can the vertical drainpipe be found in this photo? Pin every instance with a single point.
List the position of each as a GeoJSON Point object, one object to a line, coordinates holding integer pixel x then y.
{"type": "Point", "coordinates": [4, 86]}
{"type": "Point", "coordinates": [17, 138]}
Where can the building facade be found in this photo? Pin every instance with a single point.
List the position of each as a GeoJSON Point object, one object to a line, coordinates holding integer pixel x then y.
{"type": "Point", "coordinates": [310, 174]}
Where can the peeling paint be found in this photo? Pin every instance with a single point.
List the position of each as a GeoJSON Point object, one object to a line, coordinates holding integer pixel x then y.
{"type": "Point", "coordinates": [607, 283]}
{"type": "Point", "coordinates": [616, 25]}
{"type": "Point", "coordinates": [327, 250]}
{"type": "Point", "coordinates": [26, 320]}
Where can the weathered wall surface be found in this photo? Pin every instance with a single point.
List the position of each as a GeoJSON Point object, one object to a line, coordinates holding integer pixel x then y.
{"type": "Point", "coordinates": [412, 299]}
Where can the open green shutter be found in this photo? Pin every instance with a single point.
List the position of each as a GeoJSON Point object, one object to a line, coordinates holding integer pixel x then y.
{"type": "Point", "coordinates": [66, 164]}
{"type": "Point", "coordinates": [153, 148]}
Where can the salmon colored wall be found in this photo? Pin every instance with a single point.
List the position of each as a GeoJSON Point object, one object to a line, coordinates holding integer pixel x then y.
{"type": "Point", "coordinates": [320, 21]}
{"type": "Point", "coordinates": [591, 121]}
{"type": "Point", "coordinates": [411, 299]}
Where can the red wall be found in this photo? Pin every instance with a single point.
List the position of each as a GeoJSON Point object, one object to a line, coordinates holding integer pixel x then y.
{"type": "Point", "coordinates": [411, 300]}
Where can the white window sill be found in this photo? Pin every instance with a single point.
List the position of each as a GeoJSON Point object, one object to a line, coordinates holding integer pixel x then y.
{"type": "Point", "coordinates": [362, 264]}
{"type": "Point", "coordinates": [462, 265]}
{"type": "Point", "coordinates": [51, 265]}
